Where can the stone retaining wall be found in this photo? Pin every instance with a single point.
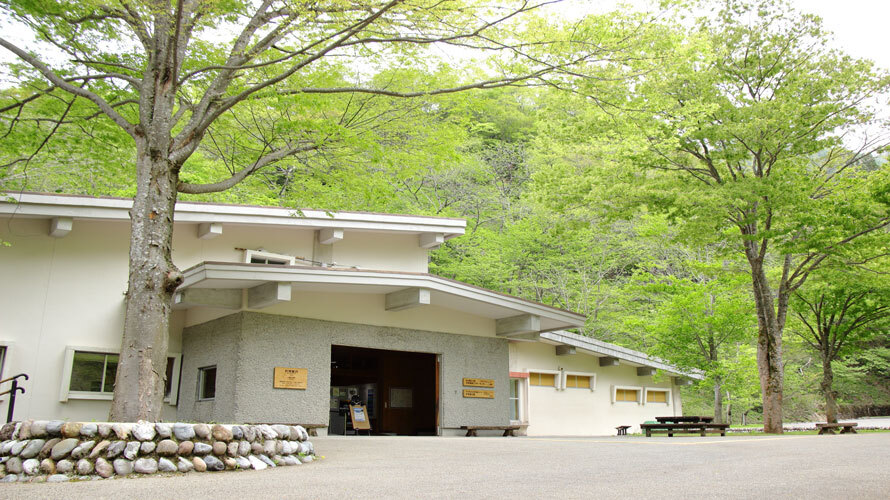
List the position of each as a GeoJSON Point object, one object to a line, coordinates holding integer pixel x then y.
{"type": "Point", "coordinates": [58, 451]}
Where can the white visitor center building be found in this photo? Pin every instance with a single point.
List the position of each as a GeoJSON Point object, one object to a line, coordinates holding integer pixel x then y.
{"type": "Point", "coordinates": [284, 315]}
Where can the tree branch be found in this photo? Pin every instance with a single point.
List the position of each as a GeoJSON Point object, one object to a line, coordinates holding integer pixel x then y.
{"type": "Point", "coordinates": [60, 82]}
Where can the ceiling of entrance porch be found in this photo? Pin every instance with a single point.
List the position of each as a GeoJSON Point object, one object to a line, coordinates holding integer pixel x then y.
{"type": "Point", "coordinates": [219, 284]}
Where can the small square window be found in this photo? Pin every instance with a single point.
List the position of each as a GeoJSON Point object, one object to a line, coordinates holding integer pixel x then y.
{"type": "Point", "coordinates": [207, 382]}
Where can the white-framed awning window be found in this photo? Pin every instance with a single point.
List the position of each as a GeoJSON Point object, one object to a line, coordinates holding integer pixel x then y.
{"type": "Point", "coordinates": [623, 394]}
{"type": "Point", "coordinates": [89, 373]}
{"type": "Point", "coordinates": [656, 396]}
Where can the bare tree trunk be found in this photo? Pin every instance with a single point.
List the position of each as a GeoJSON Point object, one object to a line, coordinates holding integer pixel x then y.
{"type": "Point", "coordinates": [769, 344]}
{"type": "Point", "coordinates": [139, 384]}
{"type": "Point", "coordinates": [830, 395]}
{"type": "Point", "coordinates": [718, 402]}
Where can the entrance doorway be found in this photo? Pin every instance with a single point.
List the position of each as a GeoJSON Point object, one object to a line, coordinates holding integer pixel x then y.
{"type": "Point", "coordinates": [399, 388]}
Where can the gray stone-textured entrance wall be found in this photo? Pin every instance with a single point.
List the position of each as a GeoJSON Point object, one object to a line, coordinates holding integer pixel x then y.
{"type": "Point", "coordinates": [213, 343]}
{"type": "Point", "coordinates": [265, 341]}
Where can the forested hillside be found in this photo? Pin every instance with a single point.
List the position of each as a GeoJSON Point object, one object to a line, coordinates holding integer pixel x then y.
{"type": "Point", "coordinates": [705, 191]}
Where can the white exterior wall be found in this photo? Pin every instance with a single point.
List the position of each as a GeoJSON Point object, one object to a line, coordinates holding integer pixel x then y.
{"type": "Point", "coordinates": [365, 250]}
{"type": "Point", "coordinates": [396, 252]}
{"type": "Point", "coordinates": [59, 292]}
{"type": "Point", "coordinates": [582, 412]}
{"type": "Point", "coordinates": [189, 250]}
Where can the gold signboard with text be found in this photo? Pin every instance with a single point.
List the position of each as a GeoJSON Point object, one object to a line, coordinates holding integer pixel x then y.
{"type": "Point", "coordinates": [476, 393]}
{"type": "Point", "coordinates": [290, 378]}
{"type": "Point", "coordinates": [478, 382]}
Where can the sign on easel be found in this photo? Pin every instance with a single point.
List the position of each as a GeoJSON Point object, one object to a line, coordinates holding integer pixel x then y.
{"type": "Point", "coordinates": [359, 416]}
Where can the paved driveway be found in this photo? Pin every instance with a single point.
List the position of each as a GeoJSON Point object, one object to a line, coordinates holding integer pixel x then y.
{"type": "Point", "coordinates": [839, 466]}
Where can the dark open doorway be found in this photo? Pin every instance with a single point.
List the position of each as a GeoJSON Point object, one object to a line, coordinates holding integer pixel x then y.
{"type": "Point", "coordinates": [399, 388]}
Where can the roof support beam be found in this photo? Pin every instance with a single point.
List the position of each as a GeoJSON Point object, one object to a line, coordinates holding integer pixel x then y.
{"type": "Point", "coordinates": [518, 325]}
{"type": "Point", "coordinates": [608, 361]}
{"type": "Point", "coordinates": [565, 350]}
{"type": "Point", "coordinates": [268, 294]}
{"type": "Point", "coordinates": [225, 298]}
{"type": "Point", "coordinates": [645, 371]}
{"type": "Point", "coordinates": [330, 235]}
{"type": "Point", "coordinates": [682, 381]}
{"type": "Point", "coordinates": [430, 240]}
{"type": "Point", "coordinates": [59, 227]}
{"type": "Point", "coordinates": [407, 298]}
{"type": "Point", "coordinates": [209, 230]}
{"type": "Point", "coordinates": [526, 337]}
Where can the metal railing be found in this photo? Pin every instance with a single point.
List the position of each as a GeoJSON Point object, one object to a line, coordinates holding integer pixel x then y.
{"type": "Point", "coordinates": [12, 392]}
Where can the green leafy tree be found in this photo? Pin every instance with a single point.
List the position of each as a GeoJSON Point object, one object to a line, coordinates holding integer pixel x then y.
{"type": "Point", "coordinates": [838, 313]}
{"type": "Point", "coordinates": [696, 313]}
{"type": "Point", "coordinates": [739, 134]}
{"type": "Point", "coordinates": [174, 78]}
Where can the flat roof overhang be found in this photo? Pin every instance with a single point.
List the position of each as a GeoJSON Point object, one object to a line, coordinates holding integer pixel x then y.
{"type": "Point", "coordinates": [592, 346]}
{"type": "Point", "coordinates": [73, 207]}
{"type": "Point", "coordinates": [219, 284]}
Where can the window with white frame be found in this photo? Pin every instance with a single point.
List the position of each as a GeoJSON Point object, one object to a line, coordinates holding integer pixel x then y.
{"type": "Point", "coordinates": [171, 384]}
{"type": "Point", "coordinates": [2, 360]}
{"type": "Point", "coordinates": [264, 257]}
{"type": "Point", "coordinates": [207, 383]}
{"type": "Point", "coordinates": [544, 378]}
{"type": "Point", "coordinates": [626, 394]}
{"type": "Point", "coordinates": [517, 411]}
{"type": "Point", "coordinates": [655, 395]}
{"type": "Point", "coordinates": [93, 372]}
{"type": "Point", "coordinates": [89, 373]}
{"type": "Point", "coordinates": [580, 380]}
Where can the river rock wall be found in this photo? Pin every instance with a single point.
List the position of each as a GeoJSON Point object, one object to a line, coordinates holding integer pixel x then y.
{"type": "Point", "coordinates": [56, 451]}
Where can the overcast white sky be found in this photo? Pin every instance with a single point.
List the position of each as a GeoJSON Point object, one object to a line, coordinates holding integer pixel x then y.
{"type": "Point", "coordinates": [860, 26]}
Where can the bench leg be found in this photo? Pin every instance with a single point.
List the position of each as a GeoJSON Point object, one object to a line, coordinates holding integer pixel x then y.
{"type": "Point", "coordinates": [508, 432]}
{"type": "Point", "coordinates": [648, 433]}
{"type": "Point", "coordinates": [313, 432]}
{"type": "Point", "coordinates": [848, 430]}
{"type": "Point", "coordinates": [471, 433]}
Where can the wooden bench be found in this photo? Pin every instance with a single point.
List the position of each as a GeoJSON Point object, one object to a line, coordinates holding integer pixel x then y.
{"type": "Point", "coordinates": [508, 429]}
{"type": "Point", "coordinates": [846, 428]}
{"type": "Point", "coordinates": [701, 428]}
{"type": "Point", "coordinates": [622, 430]}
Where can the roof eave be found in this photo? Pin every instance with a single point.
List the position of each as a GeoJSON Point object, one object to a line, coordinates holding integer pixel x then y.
{"type": "Point", "coordinates": [622, 353]}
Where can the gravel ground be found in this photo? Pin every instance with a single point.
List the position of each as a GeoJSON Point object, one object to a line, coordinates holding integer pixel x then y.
{"type": "Point", "coordinates": [835, 466]}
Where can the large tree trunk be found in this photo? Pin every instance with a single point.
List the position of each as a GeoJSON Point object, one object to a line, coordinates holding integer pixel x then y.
{"type": "Point", "coordinates": [769, 344]}
{"type": "Point", "coordinates": [139, 385]}
{"type": "Point", "coordinates": [830, 395]}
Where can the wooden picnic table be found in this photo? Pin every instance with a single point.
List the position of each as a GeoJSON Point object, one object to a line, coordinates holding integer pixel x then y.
{"type": "Point", "coordinates": [692, 419]}
{"type": "Point", "coordinates": [845, 427]}
{"type": "Point", "coordinates": [701, 428]}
